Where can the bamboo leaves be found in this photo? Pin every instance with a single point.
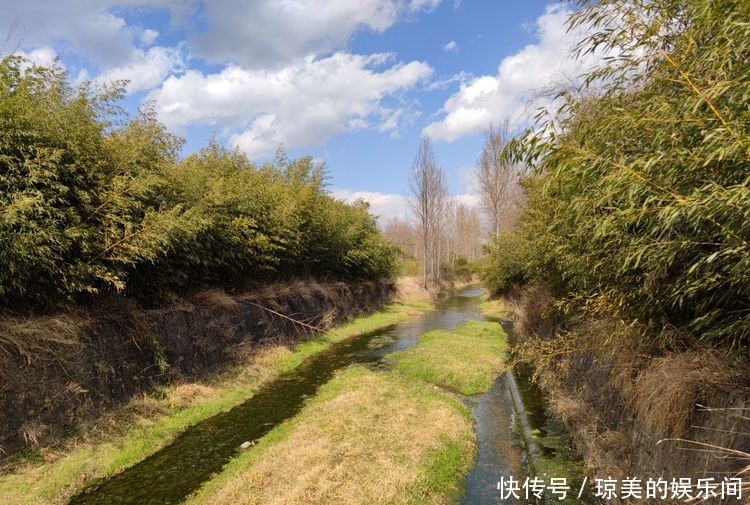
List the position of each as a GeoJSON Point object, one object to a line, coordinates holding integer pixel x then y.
{"type": "Point", "coordinates": [93, 201]}
{"type": "Point", "coordinates": [645, 179]}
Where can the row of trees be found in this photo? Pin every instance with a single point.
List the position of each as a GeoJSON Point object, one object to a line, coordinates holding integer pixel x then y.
{"type": "Point", "coordinates": [460, 240]}
{"type": "Point", "coordinates": [446, 234]}
{"type": "Point", "coordinates": [444, 230]}
{"type": "Point", "coordinates": [429, 207]}
{"type": "Point", "coordinates": [639, 200]}
{"type": "Point", "coordinates": [93, 201]}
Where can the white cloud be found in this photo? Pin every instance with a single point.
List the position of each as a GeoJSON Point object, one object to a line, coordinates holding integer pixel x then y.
{"type": "Point", "coordinates": [146, 69]}
{"type": "Point", "coordinates": [486, 99]}
{"type": "Point", "coordinates": [253, 35]}
{"type": "Point", "coordinates": [468, 178]}
{"type": "Point", "coordinates": [273, 33]}
{"type": "Point", "coordinates": [468, 199]}
{"type": "Point", "coordinates": [300, 105]}
{"type": "Point", "coordinates": [443, 83]}
{"type": "Point", "coordinates": [43, 56]}
{"type": "Point", "coordinates": [148, 36]}
{"type": "Point", "coordinates": [111, 48]}
{"type": "Point", "coordinates": [451, 47]}
{"type": "Point", "coordinates": [416, 5]}
{"type": "Point", "coordinates": [83, 27]}
{"type": "Point", "coordinates": [385, 206]}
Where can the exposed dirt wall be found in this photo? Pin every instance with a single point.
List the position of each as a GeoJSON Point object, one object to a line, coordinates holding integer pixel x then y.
{"type": "Point", "coordinates": [57, 371]}
{"type": "Point", "coordinates": [625, 407]}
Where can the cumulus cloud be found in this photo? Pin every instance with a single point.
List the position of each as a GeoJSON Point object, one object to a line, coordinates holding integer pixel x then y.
{"type": "Point", "coordinates": [256, 35]}
{"type": "Point", "coordinates": [83, 27]}
{"type": "Point", "coordinates": [146, 69]}
{"type": "Point", "coordinates": [300, 105]}
{"type": "Point", "coordinates": [105, 41]}
{"type": "Point", "coordinates": [148, 36]}
{"type": "Point", "coordinates": [272, 34]}
{"type": "Point", "coordinates": [43, 56]}
{"type": "Point", "coordinates": [451, 47]}
{"type": "Point", "coordinates": [469, 199]}
{"type": "Point", "coordinates": [283, 76]}
{"type": "Point", "coordinates": [494, 98]}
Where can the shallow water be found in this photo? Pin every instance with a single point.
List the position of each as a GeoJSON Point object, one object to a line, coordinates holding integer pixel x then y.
{"type": "Point", "coordinates": [498, 454]}
{"type": "Point", "coordinates": [172, 473]}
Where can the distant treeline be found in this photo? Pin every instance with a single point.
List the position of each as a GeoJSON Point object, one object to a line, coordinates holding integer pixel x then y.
{"type": "Point", "coordinates": [638, 201]}
{"type": "Point", "coordinates": [94, 201]}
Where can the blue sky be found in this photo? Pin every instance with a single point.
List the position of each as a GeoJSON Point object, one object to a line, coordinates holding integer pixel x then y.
{"type": "Point", "coordinates": [352, 83]}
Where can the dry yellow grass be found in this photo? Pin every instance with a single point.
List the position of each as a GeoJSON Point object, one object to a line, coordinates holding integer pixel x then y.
{"type": "Point", "coordinates": [667, 391]}
{"type": "Point", "coordinates": [217, 298]}
{"type": "Point", "coordinates": [126, 435]}
{"type": "Point", "coordinates": [368, 438]}
{"type": "Point", "coordinates": [42, 338]}
{"type": "Point", "coordinates": [495, 308]}
{"type": "Point", "coordinates": [410, 289]}
{"type": "Point", "coordinates": [186, 394]}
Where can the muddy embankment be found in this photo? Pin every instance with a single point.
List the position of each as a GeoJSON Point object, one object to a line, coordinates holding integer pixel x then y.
{"type": "Point", "coordinates": [635, 412]}
{"type": "Point", "coordinates": [56, 371]}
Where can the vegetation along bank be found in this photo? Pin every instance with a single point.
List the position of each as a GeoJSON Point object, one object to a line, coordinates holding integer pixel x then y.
{"type": "Point", "coordinates": [629, 266]}
{"type": "Point", "coordinates": [126, 266]}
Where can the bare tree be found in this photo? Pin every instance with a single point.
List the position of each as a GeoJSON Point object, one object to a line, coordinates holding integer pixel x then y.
{"type": "Point", "coordinates": [403, 235]}
{"type": "Point", "coordinates": [468, 232]}
{"type": "Point", "coordinates": [428, 206]}
{"type": "Point", "coordinates": [494, 177]}
{"type": "Point", "coordinates": [450, 230]}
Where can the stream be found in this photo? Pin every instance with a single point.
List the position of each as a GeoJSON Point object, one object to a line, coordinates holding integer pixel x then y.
{"type": "Point", "coordinates": [172, 473]}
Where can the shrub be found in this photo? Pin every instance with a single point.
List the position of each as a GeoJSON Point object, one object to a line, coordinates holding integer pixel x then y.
{"type": "Point", "coordinates": [92, 201]}
{"type": "Point", "coordinates": [506, 264]}
{"type": "Point", "coordinates": [641, 192]}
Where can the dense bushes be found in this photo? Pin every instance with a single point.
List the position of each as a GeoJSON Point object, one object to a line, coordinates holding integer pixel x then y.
{"type": "Point", "coordinates": [506, 264]}
{"type": "Point", "coordinates": [640, 197]}
{"type": "Point", "coordinates": [92, 201]}
{"type": "Point", "coordinates": [459, 268]}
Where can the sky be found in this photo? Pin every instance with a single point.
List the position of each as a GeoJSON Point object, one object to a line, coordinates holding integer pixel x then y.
{"type": "Point", "coordinates": [355, 84]}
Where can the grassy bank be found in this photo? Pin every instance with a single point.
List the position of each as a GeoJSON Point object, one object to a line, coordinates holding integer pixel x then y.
{"type": "Point", "coordinates": [467, 359]}
{"type": "Point", "coordinates": [375, 437]}
{"type": "Point", "coordinates": [402, 441]}
{"type": "Point", "coordinates": [495, 308]}
{"type": "Point", "coordinates": [126, 436]}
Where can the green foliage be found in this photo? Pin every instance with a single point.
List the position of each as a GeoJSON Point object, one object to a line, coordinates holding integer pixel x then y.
{"type": "Point", "coordinates": [30, 455]}
{"type": "Point", "coordinates": [408, 265]}
{"type": "Point", "coordinates": [92, 201]}
{"type": "Point", "coordinates": [641, 194]}
{"type": "Point", "coordinates": [460, 268]}
{"type": "Point", "coordinates": [505, 264]}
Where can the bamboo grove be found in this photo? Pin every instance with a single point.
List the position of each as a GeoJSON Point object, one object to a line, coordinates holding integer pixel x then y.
{"type": "Point", "coordinates": [93, 201]}
{"type": "Point", "coordinates": [638, 197]}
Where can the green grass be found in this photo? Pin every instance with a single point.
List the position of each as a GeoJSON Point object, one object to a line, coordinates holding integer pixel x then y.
{"type": "Point", "coordinates": [400, 441]}
{"type": "Point", "coordinates": [147, 424]}
{"type": "Point", "coordinates": [494, 308]}
{"type": "Point", "coordinates": [444, 466]}
{"type": "Point", "coordinates": [467, 359]}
